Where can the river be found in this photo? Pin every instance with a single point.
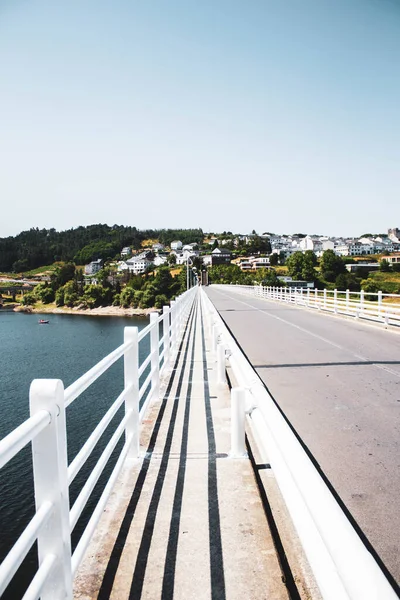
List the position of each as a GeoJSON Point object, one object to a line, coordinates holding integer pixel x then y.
{"type": "Point", "coordinates": [63, 349]}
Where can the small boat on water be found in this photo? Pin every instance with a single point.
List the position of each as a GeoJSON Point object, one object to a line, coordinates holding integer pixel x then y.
{"type": "Point", "coordinates": [43, 322]}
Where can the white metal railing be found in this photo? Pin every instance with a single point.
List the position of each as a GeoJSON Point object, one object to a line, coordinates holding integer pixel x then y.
{"type": "Point", "coordinates": [377, 306]}
{"type": "Point", "coordinates": [45, 429]}
{"type": "Point", "coordinates": [343, 567]}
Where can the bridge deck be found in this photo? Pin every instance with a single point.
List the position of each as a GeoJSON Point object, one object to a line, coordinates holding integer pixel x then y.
{"type": "Point", "coordinates": [186, 521]}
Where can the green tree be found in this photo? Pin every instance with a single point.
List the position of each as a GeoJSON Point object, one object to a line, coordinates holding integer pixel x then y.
{"type": "Point", "coordinates": [19, 266]}
{"type": "Point", "coordinates": [127, 297]}
{"type": "Point", "coordinates": [369, 286]}
{"type": "Point", "coordinates": [117, 299]}
{"type": "Point", "coordinates": [160, 301]}
{"type": "Point", "coordinates": [331, 265]}
{"type": "Point", "coordinates": [148, 297]}
{"type": "Point", "coordinates": [70, 293]}
{"type": "Point", "coordinates": [62, 274]}
{"type": "Point", "coordinates": [273, 259]}
{"type": "Point", "coordinates": [163, 281]}
{"type": "Point", "coordinates": [44, 293]}
{"type": "Point", "coordinates": [384, 266]}
{"type": "Point", "coordinates": [347, 281]}
{"type": "Point", "coordinates": [295, 265]}
{"type": "Point", "coordinates": [225, 274]}
{"type": "Point", "coordinates": [136, 282]}
{"type": "Point", "coordinates": [60, 297]}
{"type": "Point", "coordinates": [259, 244]}
{"type": "Point", "coordinates": [282, 258]}
{"type": "Point", "coordinates": [97, 295]}
{"type": "Point", "coordinates": [137, 297]}
{"type": "Point", "coordinates": [302, 265]}
{"type": "Point", "coordinates": [308, 272]}
{"type": "Point", "coordinates": [28, 299]}
{"type": "Point", "coordinates": [267, 277]}
{"type": "Point", "coordinates": [48, 295]}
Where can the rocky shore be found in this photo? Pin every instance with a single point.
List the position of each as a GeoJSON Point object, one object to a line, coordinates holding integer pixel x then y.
{"type": "Point", "coordinates": [101, 311]}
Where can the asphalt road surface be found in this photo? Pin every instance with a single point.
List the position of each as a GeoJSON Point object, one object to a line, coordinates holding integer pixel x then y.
{"type": "Point", "coordinates": [338, 383]}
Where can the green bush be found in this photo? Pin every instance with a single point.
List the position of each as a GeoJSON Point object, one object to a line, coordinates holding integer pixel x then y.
{"type": "Point", "coordinates": [28, 299]}
{"type": "Point", "coordinates": [369, 286]}
{"type": "Point", "coordinates": [161, 300]}
{"type": "Point", "coordinates": [138, 297]}
{"type": "Point", "coordinates": [60, 297]}
{"type": "Point", "coordinates": [48, 295]}
{"type": "Point", "coordinates": [384, 266]}
{"type": "Point", "coordinates": [127, 297]}
{"type": "Point", "coordinates": [149, 297]}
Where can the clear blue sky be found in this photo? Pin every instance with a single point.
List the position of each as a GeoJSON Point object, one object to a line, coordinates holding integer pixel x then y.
{"type": "Point", "coordinates": [272, 115]}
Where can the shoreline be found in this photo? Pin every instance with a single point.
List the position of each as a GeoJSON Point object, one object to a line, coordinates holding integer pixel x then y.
{"type": "Point", "coordinates": [101, 311]}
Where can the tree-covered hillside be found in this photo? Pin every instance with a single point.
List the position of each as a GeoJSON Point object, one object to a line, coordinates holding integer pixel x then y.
{"type": "Point", "coordinates": [38, 247]}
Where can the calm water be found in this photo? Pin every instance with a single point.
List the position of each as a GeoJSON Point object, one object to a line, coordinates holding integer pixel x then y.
{"type": "Point", "coordinates": [64, 349]}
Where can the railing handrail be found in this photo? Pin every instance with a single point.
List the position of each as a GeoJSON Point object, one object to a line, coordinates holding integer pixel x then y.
{"type": "Point", "coordinates": [335, 301]}
{"type": "Point", "coordinates": [36, 429]}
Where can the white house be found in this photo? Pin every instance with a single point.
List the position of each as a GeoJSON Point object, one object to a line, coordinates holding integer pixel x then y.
{"type": "Point", "coordinates": [135, 265]}
{"type": "Point", "coordinates": [327, 245]}
{"type": "Point", "coordinates": [307, 243]}
{"type": "Point", "coordinates": [159, 260]}
{"type": "Point", "coordinates": [393, 260]}
{"type": "Point", "coordinates": [358, 249]}
{"type": "Point", "coordinates": [126, 251]}
{"type": "Point", "coordinates": [253, 263]}
{"type": "Point", "coordinates": [176, 245]}
{"type": "Point", "coordinates": [93, 267]}
{"type": "Point", "coordinates": [342, 250]}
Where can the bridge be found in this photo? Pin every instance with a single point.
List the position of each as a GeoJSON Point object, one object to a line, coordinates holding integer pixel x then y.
{"type": "Point", "coordinates": [230, 482]}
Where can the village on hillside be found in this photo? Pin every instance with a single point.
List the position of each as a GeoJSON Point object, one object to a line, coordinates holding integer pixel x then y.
{"type": "Point", "coordinates": [150, 273]}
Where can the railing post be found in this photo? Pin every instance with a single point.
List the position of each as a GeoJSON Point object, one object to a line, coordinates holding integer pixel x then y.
{"type": "Point", "coordinates": [324, 297]}
{"type": "Point", "coordinates": [177, 313]}
{"type": "Point", "coordinates": [131, 380]}
{"type": "Point", "coordinates": [50, 464]}
{"type": "Point", "coordinates": [347, 300]}
{"type": "Point", "coordinates": [308, 297]}
{"type": "Point", "coordinates": [315, 296]}
{"type": "Point", "coordinates": [362, 300]}
{"type": "Point", "coordinates": [155, 355]}
{"type": "Point", "coordinates": [166, 334]}
{"type": "Point", "coordinates": [335, 307]}
{"type": "Point", "coordinates": [221, 366]}
{"type": "Point", "coordinates": [173, 326]}
{"type": "Point", "coordinates": [379, 303]}
{"type": "Point", "coordinates": [238, 443]}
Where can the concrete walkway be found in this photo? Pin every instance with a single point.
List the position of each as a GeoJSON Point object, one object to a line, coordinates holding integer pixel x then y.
{"type": "Point", "coordinates": [186, 521]}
